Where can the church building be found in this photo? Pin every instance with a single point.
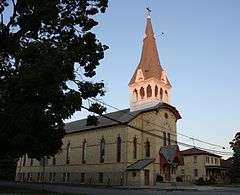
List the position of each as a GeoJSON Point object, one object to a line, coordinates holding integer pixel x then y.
{"type": "Point", "coordinates": [133, 147]}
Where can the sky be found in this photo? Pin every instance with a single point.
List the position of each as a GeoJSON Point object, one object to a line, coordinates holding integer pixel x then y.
{"type": "Point", "coordinates": [200, 53]}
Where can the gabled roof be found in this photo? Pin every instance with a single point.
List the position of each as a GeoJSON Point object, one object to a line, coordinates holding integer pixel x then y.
{"type": "Point", "coordinates": [169, 152]}
{"type": "Point", "coordinates": [196, 151]}
{"type": "Point", "coordinates": [124, 116]}
{"type": "Point", "coordinates": [149, 62]}
{"type": "Point", "coordinates": [81, 125]}
{"type": "Point", "coordinates": [140, 164]}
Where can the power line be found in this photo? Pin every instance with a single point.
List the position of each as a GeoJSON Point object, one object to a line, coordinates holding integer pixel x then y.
{"type": "Point", "coordinates": [155, 135]}
{"type": "Point", "coordinates": [186, 136]}
{"type": "Point", "coordinates": [162, 127]}
{"type": "Point", "coordinates": [149, 133]}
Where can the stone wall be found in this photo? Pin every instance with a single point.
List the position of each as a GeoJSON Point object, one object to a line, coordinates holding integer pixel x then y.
{"type": "Point", "coordinates": [110, 172]}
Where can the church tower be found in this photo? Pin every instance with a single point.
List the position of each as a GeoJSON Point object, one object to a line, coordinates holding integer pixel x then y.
{"type": "Point", "coordinates": [149, 84]}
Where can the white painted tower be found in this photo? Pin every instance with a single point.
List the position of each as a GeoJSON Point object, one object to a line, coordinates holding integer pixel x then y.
{"type": "Point", "coordinates": [149, 84]}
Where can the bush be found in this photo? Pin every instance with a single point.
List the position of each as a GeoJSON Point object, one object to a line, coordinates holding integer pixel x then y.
{"type": "Point", "coordinates": [159, 178]}
{"type": "Point", "coordinates": [212, 180]}
{"type": "Point", "coordinates": [200, 181]}
{"type": "Point", "coordinates": [179, 179]}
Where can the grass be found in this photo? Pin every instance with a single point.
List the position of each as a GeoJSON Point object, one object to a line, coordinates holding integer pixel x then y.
{"type": "Point", "coordinates": [23, 191]}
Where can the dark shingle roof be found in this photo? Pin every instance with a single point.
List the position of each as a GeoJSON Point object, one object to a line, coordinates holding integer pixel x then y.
{"type": "Point", "coordinates": [196, 151]}
{"type": "Point", "coordinates": [169, 152]}
{"type": "Point", "coordinates": [81, 125]}
{"type": "Point", "coordinates": [124, 116]}
{"type": "Point", "coordinates": [140, 164]}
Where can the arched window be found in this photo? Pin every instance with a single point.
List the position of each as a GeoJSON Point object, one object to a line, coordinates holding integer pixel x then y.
{"type": "Point", "coordinates": [164, 139]}
{"type": "Point", "coordinates": [24, 160]}
{"type": "Point", "coordinates": [84, 148]}
{"type": "Point", "coordinates": [149, 91]}
{"type": "Point", "coordinates": [43, 161]}
{"type": "Point", "coordinates": [142, 92]}
{"type": "Point", "coordinates": [147, 147]}
{"type": "Point", "coordinates": [161, 94]}
{"type": "Point", "coordinates": [166, 92]}
{"type": "Point", "coordinates": [54, 160]}
{"type": "Point", "coordinates": [156, 90]}
{"type": "Point", "coordinates": [119, 142]}
{"type": "Point", "coordinates": [135, 93]}
{"type": "Point", "coordinates": [102, 150]}
{"type": "Point", "coordinates": [31, 162]}
{"type": "Point", "coordinates": [166, 115]}
{"type": "Point", "coordinates": [169, 139]}
{"type": "Point", "coordinates": [134, 148]}
{"type": "Point", "coordinates": [67, 155]}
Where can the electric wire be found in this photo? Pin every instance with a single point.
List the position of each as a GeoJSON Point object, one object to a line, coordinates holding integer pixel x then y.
{"type": "Point", "coordinates": [155, 135]}
{"type": "Point", "coordinates": [162, 127]}
{"type": "Point", "coordinates": [186, 136]}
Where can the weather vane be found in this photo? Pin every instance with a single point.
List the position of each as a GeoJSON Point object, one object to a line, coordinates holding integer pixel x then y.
{"type": "Point", "coordinates": [149, 11]}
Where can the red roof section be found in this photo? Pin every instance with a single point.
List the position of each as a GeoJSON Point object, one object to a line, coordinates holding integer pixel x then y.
{"type": "Point", "coordinates": [196, 151]}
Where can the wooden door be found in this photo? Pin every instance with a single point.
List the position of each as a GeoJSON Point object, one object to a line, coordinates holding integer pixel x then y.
{"type": "Point", "coordinates": [167, 173]}
{"type": "Point", "coordinates": [146, 177]}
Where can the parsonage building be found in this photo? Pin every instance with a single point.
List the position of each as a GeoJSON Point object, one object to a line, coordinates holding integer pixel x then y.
{"type": "Point", "coordinates": [135, 146]}
{"type": "Point", "coordinates": [201, 164]}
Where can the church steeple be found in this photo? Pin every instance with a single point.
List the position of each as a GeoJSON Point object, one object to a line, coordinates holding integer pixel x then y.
{"type": "Point", "coordinates": [149, 84]}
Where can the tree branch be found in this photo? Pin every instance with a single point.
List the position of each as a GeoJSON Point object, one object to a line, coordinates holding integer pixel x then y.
{"type": "Point", "coordinates": [1, 18]}
{"type": "Point", "coordinates": [13, 15]}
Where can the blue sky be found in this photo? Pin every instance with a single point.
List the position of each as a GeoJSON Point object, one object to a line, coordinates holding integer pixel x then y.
{"type": "Point", "coordinates": [200, 52]}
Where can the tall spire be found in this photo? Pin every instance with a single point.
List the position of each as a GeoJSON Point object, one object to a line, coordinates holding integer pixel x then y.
{"type": "Point", "coordinates": [149, 84]}
{"type": "Point", "coordinates": [149, 63]}
{"type": "Point", "coordinates": [149, 29]}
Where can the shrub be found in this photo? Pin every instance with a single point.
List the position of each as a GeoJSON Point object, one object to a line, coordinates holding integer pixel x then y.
{"type": "Point", "coordinates": [200, 181]}
{"type": "Point", "coordinates": [179, 179]}
{"type": "Point", "coordinates": [159, 178]}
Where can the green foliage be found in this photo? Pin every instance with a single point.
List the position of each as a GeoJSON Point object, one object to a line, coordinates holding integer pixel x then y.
{"type": "Point", "coordinates": [7, 168]}
{"type": "Point", "coordinates": [200, 181]}
{"type": "Point", "coordinates": [97, 109]}
{"type": "Point", "coordinates": [43, 45]}
{"type": "Point", "coordinates": [235, 169]}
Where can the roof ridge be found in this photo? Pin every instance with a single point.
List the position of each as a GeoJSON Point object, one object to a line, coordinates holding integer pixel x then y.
{"type": "Point", "coordinates": [194, 150]}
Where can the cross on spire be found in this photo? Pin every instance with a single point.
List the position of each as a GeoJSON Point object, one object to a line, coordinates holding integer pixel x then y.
{"type": "Point", "coordinates": [148, 11]}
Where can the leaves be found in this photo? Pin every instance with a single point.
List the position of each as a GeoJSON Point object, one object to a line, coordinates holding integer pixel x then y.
{"type": "Point", "coordinates": [41, 46]}
{"type": "Point", "coordinates": [97, 108]}
{"type": "Point", "coordinates": [92, 120]}
{"type": "Point", "coordinates": [89, 89]}
{"type": "Point", "coordinates": [235, 169]}
{"type": "Point", "coordinates": [235, 143]}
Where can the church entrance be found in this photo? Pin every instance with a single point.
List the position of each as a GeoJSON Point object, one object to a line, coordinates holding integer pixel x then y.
{"type": "Point", "coordinates": [170, 158]}
{"type": "Point", "coordinates": [167, 173]}
{"type": "Point", "coordinates": [146, 177]}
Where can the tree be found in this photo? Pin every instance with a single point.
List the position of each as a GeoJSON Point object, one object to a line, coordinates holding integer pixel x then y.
{"type": "Point", "coordinates": [235, 169]}
{"type": "Point", "coordinates": [44, 46]}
